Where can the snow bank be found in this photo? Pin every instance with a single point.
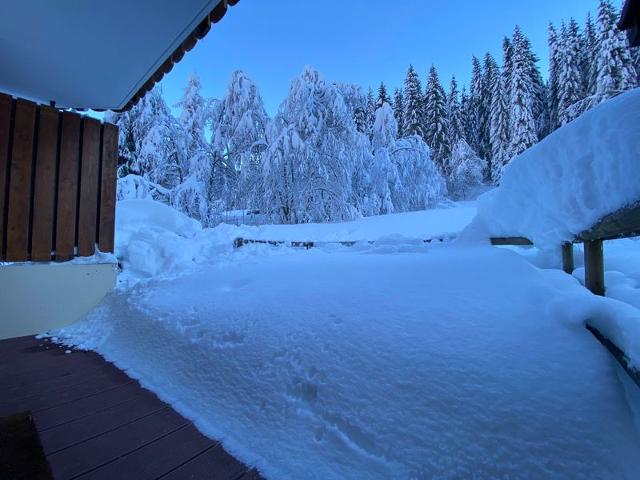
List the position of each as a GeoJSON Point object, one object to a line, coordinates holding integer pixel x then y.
{"type": "Point", "coordinates": [571, 179]}
{"type": "Point", "coordinates": [155, 240]}
{"type": "Point", "coordinates": [429, 362]}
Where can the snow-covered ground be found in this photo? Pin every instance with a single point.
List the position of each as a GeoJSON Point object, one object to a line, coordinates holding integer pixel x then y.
{"type": "Point", "coordinates": [394, 360]}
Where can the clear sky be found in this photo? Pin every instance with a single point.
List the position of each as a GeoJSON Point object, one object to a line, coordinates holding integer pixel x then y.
{"type": "Point", "coordinates": [361, 41]}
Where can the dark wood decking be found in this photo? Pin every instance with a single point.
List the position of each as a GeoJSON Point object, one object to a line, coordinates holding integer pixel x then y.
{"type": "Point", "coordinates": [97, 423]}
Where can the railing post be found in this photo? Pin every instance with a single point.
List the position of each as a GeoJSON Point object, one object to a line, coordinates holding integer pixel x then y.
{"type": "Point", "coordinates": [567, 257]}
{"type": "Point", "coordinates": [594, 266]}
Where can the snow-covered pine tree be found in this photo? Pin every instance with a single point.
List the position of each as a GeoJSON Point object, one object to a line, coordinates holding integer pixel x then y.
{"type": "Point", "coordinates": [153, 141]}
{"type": "Point", "coordinates": [239, 123]}
{"type": "Point", "coordinates": [398, 110]}
{"type": "Point", "coordinates": [499, 133]}
{"type": "Point", "coordinates": [570, 83]}
{"type": "Point", "coordinates": [507, 65]}
{"type": "Point", "coordinates": [466, 171]}
{"type": "Point", "coordinates": [413, 105]}
{"type": "Point", "coordinates": [356, 101]}
{"type": "Point", "coordinates": [615, 70]}
{"type": "Point", "coordinates": [490, 76]}
{"type": "Point", "coordinates": [588, 52]}
{"type": "Point", "coordinates": [371, 111]}
{"type": "Point", "coordinates": [468, 124]}
{"type": "Point", "coordinates": [436, 120]}
{"type": "Point", "coordinates": [521, 115]}
{"type": "Point", "coordinates": [192, 196]}
{"type": "Point", "coordinates": [383, 96]}
{"type": "Point", "coordinates": [555, 62]}
{"type": "Point", "coordinates": [454, 113]}
{"type": "Point", "coordinates": [477, 114]}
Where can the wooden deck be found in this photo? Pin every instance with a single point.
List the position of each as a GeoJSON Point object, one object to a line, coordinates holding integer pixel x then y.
{"type": "Point", "coordinates": [97, 423]}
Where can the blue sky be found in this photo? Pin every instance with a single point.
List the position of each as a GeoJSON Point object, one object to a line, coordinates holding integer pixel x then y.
{"type": "Point", "coordinates": [361, 41]}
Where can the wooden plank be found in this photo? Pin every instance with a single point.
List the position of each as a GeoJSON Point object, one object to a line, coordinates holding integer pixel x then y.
{"type": "Point", "coordinates": [6, 103]}
{"type": "Point", "coordinates": [622, 223]}
{"type": "Point", "coordinates": [67, 186]}
{"type": "Point", "coordinates": [44, 186]}
{"type": "Point", "coordinates": [516, 241]}
{"type": "Point", "coordinates": [215, 464]}
{"type": "Point", "coordinates": [617, 353]}
{"type": "Point", "coordinates": [89, 185]}
{"type": "Point", "coordinates": [594, 266]}
{"type": "Point", "coordinates": [19, 207]}
{"type": "Point", "coordinates": [87, 456]}
{"type": "Point", "coordinates": [567, 258]}
{"type": "Point", "coordinates": [155, 459]}
{"type": "Point", "coordinates": [107, 221]}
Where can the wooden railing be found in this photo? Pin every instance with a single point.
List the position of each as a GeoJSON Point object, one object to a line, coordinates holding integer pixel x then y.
{"type": "Point", "coordinates": [57, 183]}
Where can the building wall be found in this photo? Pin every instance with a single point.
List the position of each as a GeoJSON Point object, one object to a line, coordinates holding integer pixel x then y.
{"type": "Point", "coordinates": [36, 297]}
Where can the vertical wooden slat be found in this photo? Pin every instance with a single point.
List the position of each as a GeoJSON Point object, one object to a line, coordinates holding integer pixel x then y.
{"type": "Point", "coordinates": [567, 257]}
{"type": "Point", "coordinates": [89, 185]}
{"type": "Point", "coordinates": [594, 266]}
{"type": "Point", "coordinates": [67, 186]}
{"type": "Point", "coordinates": [20, 182]}
{"type": "Point", "coordinates": [108, 188]}
{"type": "Point", "coordinates": [5, 125]}
{"type": "Point", "coordinates": [44, 186]}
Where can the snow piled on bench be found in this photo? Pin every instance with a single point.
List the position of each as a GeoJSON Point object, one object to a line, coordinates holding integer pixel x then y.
{"type": "Point", "coordinates": [563, 185]}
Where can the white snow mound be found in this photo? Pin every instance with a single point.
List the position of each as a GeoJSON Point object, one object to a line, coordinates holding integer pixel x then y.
{"type": "Point", "coordinates": [571, 179]}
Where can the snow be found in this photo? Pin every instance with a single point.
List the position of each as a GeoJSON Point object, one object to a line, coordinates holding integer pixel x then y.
{"type": "Point", "coordinates": [392, 360]}
{"type": "Point", "coordinates": [571, 179]}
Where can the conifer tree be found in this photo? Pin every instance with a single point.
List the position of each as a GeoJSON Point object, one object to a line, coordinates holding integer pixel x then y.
{"type": "Point", "coordinates": [570, 83]}
{"type": "Point", "coordinates": [413, 105]}
{"type": "Point", "coordinates": [615, 70]}
{"type": "Point", "coordinates": [499, 121]}
{"type": "Point", "coordinates": [555, 61]}
{"type": "Point", "coordinates": [522, 120]}
{"type": "Point", "coordinates": [436, 120]}
{"type": "Point", "coordinates": [477, 114]}
{"type": "Point", "coordinates": [454, 113]}
{"type": "Point", "coordinates": [398, 110]}
{"type": "Point", "coordinates": [490, 77]}
{"type": "Point", "coordinates": [371, 107]}
{"type": "Point", "coordinates": [383, 96]}
{"type": "Point", "coordinates": [588, 52]}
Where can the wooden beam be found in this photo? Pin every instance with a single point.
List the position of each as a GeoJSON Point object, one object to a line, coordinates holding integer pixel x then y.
{"type": "Point", "coordinates": [594, 266]}
{"type": "Point", "coordinates": [503, 241]}
{"type": "Point", "coordinates": [6, 105]}
{"type": "Point", "coordinates": [20, 182]}
{"type": "Point", "coordinates": [617, 353]}
{"type": "Point", "coordinates": [107, 208]}
{"type": "Point", "coordinates": [567, 258]}
{"type": "Point", "coordinates": [89, 185]}
{"type": "Point", "coordinates": [619, 224]}
{"type": "Point", "coordinates": [68, 186]}
{"type": "Point", "coordinates": [44, 185]}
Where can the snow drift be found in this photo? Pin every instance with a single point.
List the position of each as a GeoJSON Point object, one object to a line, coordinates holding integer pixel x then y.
{"type": "Point", "coordinates": [571, 179]}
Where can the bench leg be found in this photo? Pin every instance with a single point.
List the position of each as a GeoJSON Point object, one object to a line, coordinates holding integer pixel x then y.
{"type": "Point", "coordinates": [594, 266]}
{"type": "Point", "coordinates": [567, 258]}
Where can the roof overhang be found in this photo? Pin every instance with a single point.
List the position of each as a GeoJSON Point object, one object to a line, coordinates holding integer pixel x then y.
{"type": "Point", "coordinates": [630, 21]}
{"type": "Point", "coordinates": [99, 54]}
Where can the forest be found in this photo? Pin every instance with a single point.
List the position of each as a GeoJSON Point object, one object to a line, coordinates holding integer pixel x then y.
{"type": "Point", "coordinates": [336, 151]}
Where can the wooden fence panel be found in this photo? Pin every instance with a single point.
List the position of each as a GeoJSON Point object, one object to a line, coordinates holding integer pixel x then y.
{"type": "Point", "coordinates": [106, 228]}
{"type": "Point", "coordinates": [6, 103]}
{"type": "Point", "coordinates": [44, 185]}
{"type": "Point", "coordinates": [57, 183]}
{"type": "Point", "coordinates": [89, 187]}
{"type": "Point", "coordinates": [20, 182]}
{"type": "Point", "coordinates": [68, 186]}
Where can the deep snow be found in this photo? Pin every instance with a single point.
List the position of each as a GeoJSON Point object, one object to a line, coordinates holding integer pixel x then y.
{"type": "Point", "coordinates": [571, 179]}
{"type": "Point", "coordinates": [394, 360]}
